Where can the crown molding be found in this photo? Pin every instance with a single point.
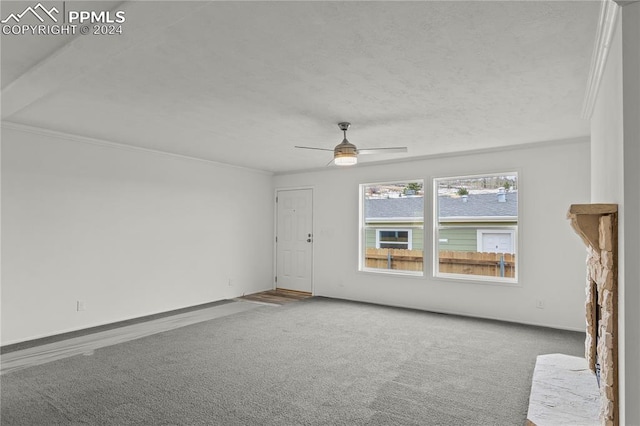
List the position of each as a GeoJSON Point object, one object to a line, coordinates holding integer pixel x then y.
{"type": "Point", "coordinates": [115, 145]}
{"type": "Point", "coordinates": [604, 35]}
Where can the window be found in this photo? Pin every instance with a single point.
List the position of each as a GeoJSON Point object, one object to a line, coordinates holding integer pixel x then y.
{"type": "Point", "coordinates": [392, 227]}
{"type": "Point", "coordinates": [476, 227]}
{"type": "Point", "coordinates": [398, 239]}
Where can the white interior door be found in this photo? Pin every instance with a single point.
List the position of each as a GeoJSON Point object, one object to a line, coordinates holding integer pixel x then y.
{"type": "Point", "coordinates": [294, 239]}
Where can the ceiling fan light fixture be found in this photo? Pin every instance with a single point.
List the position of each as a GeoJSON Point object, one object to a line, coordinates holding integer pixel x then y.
{"type": "Point", "coordinates": [345, 159]}
{"type": "Point", "coordinates": [345, 154]}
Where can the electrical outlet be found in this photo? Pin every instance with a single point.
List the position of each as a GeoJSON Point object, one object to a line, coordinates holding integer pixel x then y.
{"type": "Point", "coordinates": [540, 304]}
{"type": "Point", "coordinates": [80, 306]}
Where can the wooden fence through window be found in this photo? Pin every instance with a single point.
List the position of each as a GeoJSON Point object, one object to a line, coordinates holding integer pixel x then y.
{"type": "Point", "coordinates": [451, 262]}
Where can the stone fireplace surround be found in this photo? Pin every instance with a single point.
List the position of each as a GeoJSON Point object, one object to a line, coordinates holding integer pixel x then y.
{"type": "Point", "coordinates": [596, 224]}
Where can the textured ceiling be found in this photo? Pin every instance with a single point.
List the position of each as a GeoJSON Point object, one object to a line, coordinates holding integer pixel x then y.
{"type": "Point", "coordinates": [243, 82]}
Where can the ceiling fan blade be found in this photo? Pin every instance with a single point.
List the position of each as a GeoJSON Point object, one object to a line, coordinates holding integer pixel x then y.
{"type": "Point", "coordinates": [310, 147]}
{"type": "Point", "coordinates": [383, 150]}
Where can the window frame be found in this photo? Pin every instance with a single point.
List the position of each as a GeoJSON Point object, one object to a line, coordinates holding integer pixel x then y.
{"type": "Point", "coordinates": [362, 240]}
{"type": "Point", "coordinates": [436, 240]}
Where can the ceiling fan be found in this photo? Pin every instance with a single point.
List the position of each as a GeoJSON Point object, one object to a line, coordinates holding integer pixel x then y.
{"type": "Point", "coordinates": [346, 153]}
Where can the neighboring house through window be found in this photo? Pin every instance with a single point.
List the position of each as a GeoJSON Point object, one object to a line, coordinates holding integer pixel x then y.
{"type": "Point", "coordinates": [476, 227]}
{"type": "Point", "coordinates": [392, 227]}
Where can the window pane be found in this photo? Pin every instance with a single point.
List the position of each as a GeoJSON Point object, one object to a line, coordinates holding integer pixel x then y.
{"type": "Point", "coordinates": [394, 236]}
{"type": "Point", "coordinates": [393, 226]}
{"type": "Point", "coordinates": [476, 225]}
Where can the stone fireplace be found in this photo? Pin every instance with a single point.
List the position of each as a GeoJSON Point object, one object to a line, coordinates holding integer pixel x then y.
{"type": "Point", "coordinates": [596, 224]}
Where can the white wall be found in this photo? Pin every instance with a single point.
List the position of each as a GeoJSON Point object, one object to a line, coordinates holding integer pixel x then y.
{"type": "Point", "coordinates": [631, 229]}
{"type": "Point", "coordinates": [128, 232]}
{"type": "Point", "coordinates": [615, 155]}
{"type": "Point", "coordinates": [552, 176]}
{"type": "Point", "coordinates": [631, 225]}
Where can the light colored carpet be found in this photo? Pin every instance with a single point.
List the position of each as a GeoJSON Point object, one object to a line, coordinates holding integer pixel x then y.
{"type": "Point", "coordinates": [88, 343]}
{"type": "Point", "coordinates": [314, 362]}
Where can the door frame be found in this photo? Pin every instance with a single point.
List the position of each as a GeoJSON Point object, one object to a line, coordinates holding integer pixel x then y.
{"type": "Point", "coordinates": [275, 233]}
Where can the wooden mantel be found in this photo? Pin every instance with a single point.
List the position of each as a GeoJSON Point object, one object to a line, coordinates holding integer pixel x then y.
{"type": "Point", "coordinates": [597, 226]}
{"type": "Point", "coordinates": [585, 220]}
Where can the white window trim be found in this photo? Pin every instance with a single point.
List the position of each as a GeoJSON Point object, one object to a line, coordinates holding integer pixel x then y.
{"type": "Point", "coordinates": [480, 232]}
{"type": "Point", "coordinates": [409, 236]}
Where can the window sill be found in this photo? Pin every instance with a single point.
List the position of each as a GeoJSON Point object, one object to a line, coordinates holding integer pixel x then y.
{"type": "Point", "coordinates": [477, 279]}
{"type": "Point", "coordinates": [395, 273]}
